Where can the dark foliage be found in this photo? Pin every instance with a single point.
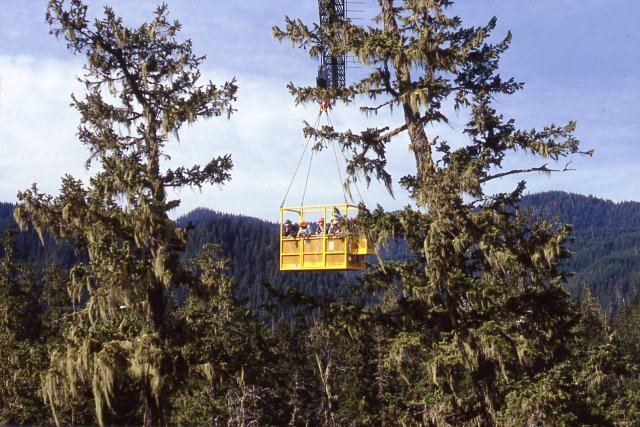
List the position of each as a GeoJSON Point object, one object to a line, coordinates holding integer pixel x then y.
{"type": "Point", "coordinates": [606, 256]}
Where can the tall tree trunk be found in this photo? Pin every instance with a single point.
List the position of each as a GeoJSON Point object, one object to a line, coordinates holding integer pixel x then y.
{"type": "Point", "coordinates": [419, 141]}
{"type": "Point", "coordinates": [152, 410]}
{"type": "Point", "coordinates": [325, 377]}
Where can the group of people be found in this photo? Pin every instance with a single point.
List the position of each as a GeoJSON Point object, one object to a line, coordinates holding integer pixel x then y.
{"type": "Point", "coordinates": [306, 229]}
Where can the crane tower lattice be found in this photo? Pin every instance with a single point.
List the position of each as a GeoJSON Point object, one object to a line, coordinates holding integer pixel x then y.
{"type": "Point", "coordinates": [332, 67]}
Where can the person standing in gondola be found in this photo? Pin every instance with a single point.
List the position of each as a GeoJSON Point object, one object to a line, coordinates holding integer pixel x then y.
{"type": "Point", "coordinates": [305, 229]}
{"type": "Point", "coordinates": [334, 228]}
{"type": "Point", "coordinates": [289, 230]}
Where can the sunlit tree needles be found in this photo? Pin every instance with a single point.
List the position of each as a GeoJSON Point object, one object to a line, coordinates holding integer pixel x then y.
{"type": "Point", "coordinates": [142, 85]}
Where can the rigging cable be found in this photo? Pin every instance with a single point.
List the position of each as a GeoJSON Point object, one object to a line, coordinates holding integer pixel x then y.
{"type": "Point", "coordinates": [335, 154]}
{"type": "Point", "coordinates": [300, 161]}
{"type": "Point", "coordinates": [355, 182]}
{"type": "Point", "coordinates": [307, 180]}
{"type": "Point", "coordinates": [324, 108]}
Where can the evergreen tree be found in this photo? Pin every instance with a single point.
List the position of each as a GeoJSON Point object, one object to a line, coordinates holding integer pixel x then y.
{"type": "Point", "coordinates": [22, 356]}
{"type": "Point", "coordinates": [57, 318]}
{"type": "Point", "coordinates": [627, 328]}
{"type": "Point", "coordinates": [143, 85]}
{"type": "Point", "coordinates": [479, 309]}
{"type": "Point", "coordinates": [224, 346]}
{"type": "Point", "coordinates": [577, 388]}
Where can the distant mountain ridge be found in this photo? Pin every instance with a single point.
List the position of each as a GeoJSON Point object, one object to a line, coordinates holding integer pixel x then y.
{"type": "Point", "coordinates": [606, 252]}
{"type": "Point", "coordinates": [586, 212]}
{"type": "Point", "coordinates": [607, 248]}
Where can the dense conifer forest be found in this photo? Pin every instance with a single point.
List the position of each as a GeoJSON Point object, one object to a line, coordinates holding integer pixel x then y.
{"type": "Point", "coordinates": [605, 260]}
{"type": "Point", "coordinates": [285, 352]}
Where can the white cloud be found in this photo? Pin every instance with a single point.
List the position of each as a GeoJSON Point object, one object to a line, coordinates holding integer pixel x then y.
{"type": "Point", "coordinates": [37, 127]}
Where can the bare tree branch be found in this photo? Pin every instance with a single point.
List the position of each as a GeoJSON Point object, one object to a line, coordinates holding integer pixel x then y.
{"type": "Point", "coordinates": [542, 168]}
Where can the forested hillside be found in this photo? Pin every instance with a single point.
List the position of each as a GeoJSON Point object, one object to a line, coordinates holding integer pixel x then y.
{"type": "Point", "coordinates": [30, 248]}
{"type": "Point", "coordinates": [606, 256]}
{"type": "Point", "coordinates": [252, 245]}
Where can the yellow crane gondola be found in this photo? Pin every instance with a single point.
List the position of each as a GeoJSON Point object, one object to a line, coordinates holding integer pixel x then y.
{"type": "Point", "coordinates": [314, 245]}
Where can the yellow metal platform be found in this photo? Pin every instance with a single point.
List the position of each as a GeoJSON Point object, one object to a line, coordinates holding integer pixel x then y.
{"type": "Point", "coordinates": [320, 251]}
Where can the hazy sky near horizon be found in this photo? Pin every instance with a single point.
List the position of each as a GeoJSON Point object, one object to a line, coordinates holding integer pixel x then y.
{"type": "Point", "coordinates": [579, 59]}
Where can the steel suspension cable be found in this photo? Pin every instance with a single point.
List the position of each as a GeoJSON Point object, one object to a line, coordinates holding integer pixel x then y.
{"type": "Point", "coordinates": [346, 161]}
{"type": "Point", "coordinates": [335, 154]}
{"type": "Point", "coordinates": [307, 180]}
{"type": "Point", "coordinates": [300, 161]}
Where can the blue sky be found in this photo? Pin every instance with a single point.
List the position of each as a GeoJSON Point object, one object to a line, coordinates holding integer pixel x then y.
{"type": "Point", "coordinates": [580, 60]}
